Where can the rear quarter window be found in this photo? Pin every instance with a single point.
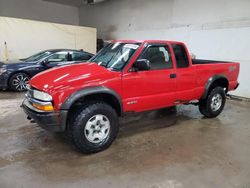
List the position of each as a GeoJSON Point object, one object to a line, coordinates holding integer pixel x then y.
{"type": "Point", "coordinates": [180, 56]}
{"type": "Point", "coordinates": [79, 56]}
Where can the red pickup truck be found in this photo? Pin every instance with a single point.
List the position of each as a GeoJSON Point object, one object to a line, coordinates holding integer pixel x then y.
{"type": "Point", "coordinates": [85, 100]}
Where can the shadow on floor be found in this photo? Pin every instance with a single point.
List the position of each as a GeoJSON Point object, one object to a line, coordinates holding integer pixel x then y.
{"type": "Point", "coordinates": [142, 122]}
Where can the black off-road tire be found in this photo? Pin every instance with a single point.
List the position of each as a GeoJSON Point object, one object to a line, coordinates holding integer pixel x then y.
{"type": "Point", "coordinates": [76, 127]}
{"type": "Point", "coordinates": [17, 82]}
{"type": "Point", "coordinates": [205, 104]}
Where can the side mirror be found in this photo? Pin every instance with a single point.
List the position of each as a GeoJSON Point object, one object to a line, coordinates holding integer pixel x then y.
{"type": "Point", "coordinates": [141, 65]}
{"type": "Point", "coordinates": [45, 62]}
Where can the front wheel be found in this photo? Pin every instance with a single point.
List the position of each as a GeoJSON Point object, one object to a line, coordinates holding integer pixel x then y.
{"type": "Point", "coordinates": [213, 105]}
{"type": "Point", "coordinates": [19, 81]}
{"type": "Point", "coordinates": [94, 128]}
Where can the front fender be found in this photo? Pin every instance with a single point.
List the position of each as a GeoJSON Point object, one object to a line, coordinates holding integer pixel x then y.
{"type": "Point", "coordinates": [88, 91]}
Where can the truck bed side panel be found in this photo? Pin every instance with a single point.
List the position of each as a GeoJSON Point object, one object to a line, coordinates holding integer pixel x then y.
{"type": "Point", "coordinates": [206, 71]}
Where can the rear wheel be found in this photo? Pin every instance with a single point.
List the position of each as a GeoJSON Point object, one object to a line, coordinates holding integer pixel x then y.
{"type": "Point", "coordinates": [94, 128]}
{"type": "Point", "coordinates": [19, 81]}
{"type": "Point", "coordinates": [213, 105]}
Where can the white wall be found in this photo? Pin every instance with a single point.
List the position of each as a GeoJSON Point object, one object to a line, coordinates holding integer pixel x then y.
{"type": "Point", "coordinates": [40, 10]}
{"type": "Point", "coordinates": [20, 38]}
{"type": "Point", "coordinates": [214, 29]}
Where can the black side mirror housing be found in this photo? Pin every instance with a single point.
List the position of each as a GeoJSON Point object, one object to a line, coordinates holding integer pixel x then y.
{"type": "Point", "coordinates": [141, 65]}
{"type": "Point", "coordinates": [45, 62]}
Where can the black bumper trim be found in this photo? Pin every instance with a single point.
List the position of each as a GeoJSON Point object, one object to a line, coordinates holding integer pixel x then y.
{"type": "Point", "coordinates": [50, 121]}
{"type": "Point", "coordinates": [3, 82]}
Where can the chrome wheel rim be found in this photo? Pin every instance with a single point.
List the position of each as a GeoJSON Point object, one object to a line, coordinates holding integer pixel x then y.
{"type": "Point", "coordinates": [97, 128]}
{"type": "Point", "coordinates": [20, 82]}
{"type": "Point", "coordinates": [216, 102]}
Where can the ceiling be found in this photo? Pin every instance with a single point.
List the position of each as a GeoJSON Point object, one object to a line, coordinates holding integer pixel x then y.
{"type": "Point", "coordinates": [75, 3]}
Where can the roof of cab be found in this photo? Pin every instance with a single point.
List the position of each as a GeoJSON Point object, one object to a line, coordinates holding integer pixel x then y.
{"type": "Point", "coordinates": [147, 41]}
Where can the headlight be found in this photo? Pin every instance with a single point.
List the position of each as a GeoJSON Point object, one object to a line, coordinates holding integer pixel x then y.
{"type": "Point", "coordinates": [41, 95]}
{"type": "Point", "coordinates": [2, 70]}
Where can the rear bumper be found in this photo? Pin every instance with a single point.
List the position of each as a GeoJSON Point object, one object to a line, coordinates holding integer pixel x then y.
{"type": "Point", "coordinates": [50, 121]}
{"type": "Point", "coordinates": [238, 84]}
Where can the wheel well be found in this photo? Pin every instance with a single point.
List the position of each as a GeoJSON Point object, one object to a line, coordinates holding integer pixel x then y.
{"type": "Point", "coordinates": [222, 82]}
{"type": "Point", "coordinates": [103, 97]}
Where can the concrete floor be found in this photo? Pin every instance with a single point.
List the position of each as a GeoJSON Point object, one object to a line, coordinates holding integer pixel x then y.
{"type": "Point", "coordinates": [159, 149]}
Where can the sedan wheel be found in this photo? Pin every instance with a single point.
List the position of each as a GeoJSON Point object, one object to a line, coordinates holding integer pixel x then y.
{"type": "Point", "coordinates": [19, 81]}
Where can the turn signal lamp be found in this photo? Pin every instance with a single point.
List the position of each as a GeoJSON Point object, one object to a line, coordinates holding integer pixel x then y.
{"type": "Point", "coordinates": [46, 108]}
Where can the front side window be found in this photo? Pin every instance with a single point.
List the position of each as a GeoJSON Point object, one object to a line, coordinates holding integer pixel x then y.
{"type": "Point", "coordinates": [159, 57]}
{"type": "Point", "coordinates": [116, 55]}
{"type": "Point", "coordinates": [59, 57]}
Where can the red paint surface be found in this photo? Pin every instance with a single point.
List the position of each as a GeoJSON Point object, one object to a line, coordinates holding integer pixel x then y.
{"type": "Point", "coordinates": [139, 91]}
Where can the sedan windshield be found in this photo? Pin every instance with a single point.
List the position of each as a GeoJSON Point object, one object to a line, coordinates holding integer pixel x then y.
{"type": "Point", "coordinates": [38, 56]}
{"type": "Point", "coordinates": [116, 55]}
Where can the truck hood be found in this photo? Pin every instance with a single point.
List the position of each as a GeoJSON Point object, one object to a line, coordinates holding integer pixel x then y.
{"type": "Point", "coordinates": [81, 75]}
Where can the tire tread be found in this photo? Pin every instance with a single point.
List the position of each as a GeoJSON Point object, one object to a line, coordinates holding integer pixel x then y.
{"type": "Point", "coordinates": [78, 117]}
{"type": "Point", "coordinates": [204, 104]}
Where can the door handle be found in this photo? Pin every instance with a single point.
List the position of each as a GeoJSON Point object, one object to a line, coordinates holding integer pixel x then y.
{"type": "Point", "coordinates": [173, 75]}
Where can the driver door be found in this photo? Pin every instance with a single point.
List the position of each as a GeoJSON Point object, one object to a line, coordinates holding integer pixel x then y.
{"type": "Point", "coordinates": [154, 88]}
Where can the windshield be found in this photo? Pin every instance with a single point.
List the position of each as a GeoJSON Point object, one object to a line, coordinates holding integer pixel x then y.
{"type": "Point", "coordinates": [115, 56]}
{"type": "Point", "coordinates": [38, 56]}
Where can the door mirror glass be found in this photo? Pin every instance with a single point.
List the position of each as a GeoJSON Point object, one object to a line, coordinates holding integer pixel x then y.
{"type": "Point", "coordinates": [141, 65]}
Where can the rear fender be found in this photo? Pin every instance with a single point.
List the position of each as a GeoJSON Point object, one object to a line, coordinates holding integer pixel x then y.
{"type": "Point", "coordinates": [210, 84]}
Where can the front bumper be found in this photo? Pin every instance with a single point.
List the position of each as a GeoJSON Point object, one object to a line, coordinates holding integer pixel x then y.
{"type": "Point", "coordinates": [4, 81]}
{"type": "Point", "coordinates": [51, 121]}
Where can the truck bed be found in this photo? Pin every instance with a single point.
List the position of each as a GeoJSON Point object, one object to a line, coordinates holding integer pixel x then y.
{"type": "Point", "coordinates": [204, 61]}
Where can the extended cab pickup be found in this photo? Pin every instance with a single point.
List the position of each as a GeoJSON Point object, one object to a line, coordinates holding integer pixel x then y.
{"type": "Point", "coordinates": [85, 100]}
